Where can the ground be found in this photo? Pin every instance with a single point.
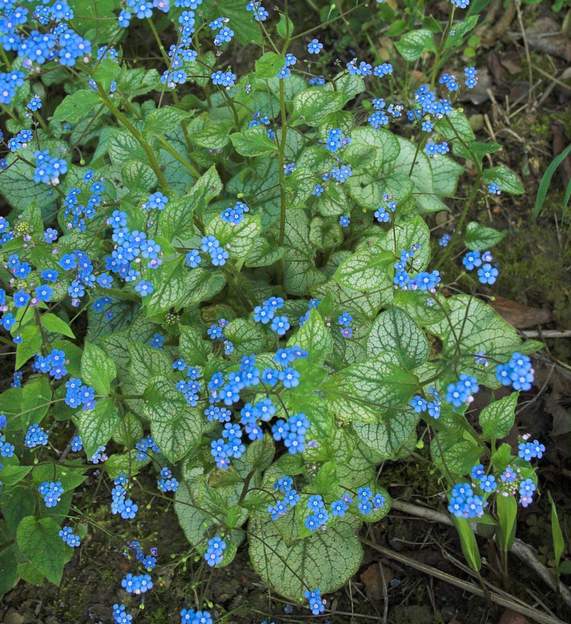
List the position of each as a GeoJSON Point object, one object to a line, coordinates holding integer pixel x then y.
{"type": "Point", "coordinates": [524, 101]}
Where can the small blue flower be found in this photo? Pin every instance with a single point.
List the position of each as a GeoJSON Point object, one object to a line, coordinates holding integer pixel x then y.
{"type": "Point", "coordinates": [314, 46]}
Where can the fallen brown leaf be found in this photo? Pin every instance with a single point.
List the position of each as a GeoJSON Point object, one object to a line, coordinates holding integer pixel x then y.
{"type": "Point", "coordinates": [520, 315]}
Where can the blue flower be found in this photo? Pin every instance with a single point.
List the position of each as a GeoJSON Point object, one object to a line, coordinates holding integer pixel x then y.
{"type": "Point", "coordinates": [137, 584]}
{"type": "Point", "coordinates": [517, 372]}
{"type": "Point", "coordinates": [280, 324]}
{"type": "Point", "coordinates": [464, 503]}
{"type": "Point", "coordinates": [215, 551]}
{"type": "Point", "coordinates": [51, 492]}
{"type": "Point", "coordinates": [314, 46]}
{"type": "Point", "coordinates": [316, 603]}
{"type": "Point", "coordinates": [35, 436]}
{"type": "Point", "coordinates": [69, 537]}
{"type": "Point", "coordinates": [488, 274]}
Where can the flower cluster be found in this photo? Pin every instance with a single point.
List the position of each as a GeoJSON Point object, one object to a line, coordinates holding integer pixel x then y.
{"type": "Point", "coordinates": [53, 364]}
{"type": "Point", "coordinates": [424, 280]}
{"type": "Point", "coordinates": [35, 436]}
{"type": "Point", "coordinates": [69, 537]}
{"type": "Point", "coordinates": [224, 34]}
{"type": "Point", "coordinates": [421, 405]}
{"type": "Point", "coordinates": [210, 245]}
{"type": "Point", "coordinates": [137, 583]}
{"type": "Point", "coordinates": [131, 250]}
{"type": "Point", "coordinates": [191, 386]}
{"type": "Point", "coordinates": [79, 394]}
{"type": "Point", "coordinates": [345, 322]}
{"type": "Point", "coordinates": [215, 551]}
{"type": "Point", "coordinates": [462, 391]}
{"type": "Point", "coordinates": [145, 446]}
{"type": "Point", "coordinates": [149, 561]}
{"type": "Point", "coordinates": [166, 481]}
{"type": "Point", "coordinates": [235, 214]}
{"type": "Point", "coordinates": [336, 140]}
{"type": "Point", "coordinates": [487, 273]}
{"type": "Point", "coordinates": [48, 168]}
{"type": "Point", "coordinates": [517, 372]}
{"type": "Point", "coordinates": [120, 614]}
{"type": "Point", "coordinates": [383, 213]}
{"type": "Point", "coordinates": [190, 616]}
{"type": "Point", "coordinates": [77, 214]}
{"type": "Point", "coordinates": [530, 450]}
{"type": "Point", "coordinates": [51, 492]}
{"type": "Point", "coordinates": [316, 603]}
{"type": "Point", "coordinates": [464, 503]}
{"type": "Point", "coordinates": [120, 504]}
{"type": "Point", "coordinates": [266, 314]}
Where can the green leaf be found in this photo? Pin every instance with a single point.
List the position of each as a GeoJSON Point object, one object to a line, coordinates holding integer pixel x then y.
{"type": "Point", "coordinates": [178, 287]}
{"type": "Point", "coordinates": [285, 27]}
{"type": "Point", "coordinates": [97, 368]}
{"type": "Point", "coordinates": [371, 149]}
{"type": "Point", "coordinates": [481, 237]}
{"type": "Point", "coordinates": [412, 44]}
{"type": "Point", "coordinates": [39, 541]}
{"type": "Point", "coordinates": [8, 568]}
{"type": "Point", "coordinates": [546, 181]}
{"type": "Point", "coordinates": [473, 326]}
{"type": "Point", "coordinates": [30, 345]}
{"type": "Point", "coordinates": [18, 186]}
{"type": "Point", "coordinates": [13, 474]}
{"type": "Point", "coordinates": [56, 325]}
{"type": "Point", "coordinates": [195, 522]}
{"type": "Point", "coordinates": [163, 120]}
{"type": "Point", "coordinates": [363, 392]}
{"type": "Point", "coordinates": [432, 179]}
{"type": "Point", "coordinates": [269, 64]}
{"type": "Point", "coordinates": [556, 533]}
{"type": "Point", "coordinates": [459, 30]}
{"type": "Point", "coordinates": [325, 560]}
{"type": "Point", "coordinates": [468, 543]}
{"type": "Point", "coordinates": [393, 437]}
{"type": "Point", "coordinates": [253, 142]}
{"type": "Point", "coordinates": [138, 176]}
{"type": "Point", "coordinates": [97, 426]}
{"type": "Point", "coordinates": [76, 106]}
{"type": "Point", "coordinates": [177, 219]}
{"type": "Point", "coordinates": [455, 127]}
{"type": "Point", "coordinates": [367, 269]}
{"type": "Point", "coordinates": [396, 335]}
{"type": "Point", "coordinates": [36, 398]}
{"type": "Point", "coordinates": [505, 178]}
{"type": "Point", "coordinates": [506, 508]}
{"type": "Point", "coordinates": [145, 364]}
{"type": "Point", "coordinates": [193, 347]}
{"type": "Point", "coordinates": [175, 426]}
{"type": "Point", "coordinates": [248, 337]}
{"type": "Point", "coordinates": [314, 337]}
{"type": "Point", "coordinates": [454, 455]}
{"type": "Point", "coordinates": [497, 418]}
{"type": "Point", "coordinates": [312, 106]}
{"type": "Point", "coordinates": [247, 29]}
{"type": "Point", "coordinates": [213, 135]}
{"type": "Point", "coordinates": [238, 239]}
{"type": "Point", "coordinates": [106, 71]}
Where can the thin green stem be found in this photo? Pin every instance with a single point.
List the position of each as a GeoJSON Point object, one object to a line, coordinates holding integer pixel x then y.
{"type": "Point", "coordinates": [281, 158]}
{"type": "Point", "coordinates": [138, 136]}
{"type": "Point", "coordinates": [176, 155]}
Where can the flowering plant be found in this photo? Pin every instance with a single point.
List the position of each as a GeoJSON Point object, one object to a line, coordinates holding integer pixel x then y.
{"type": "Point", "coordinates": [228, 283]}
